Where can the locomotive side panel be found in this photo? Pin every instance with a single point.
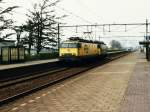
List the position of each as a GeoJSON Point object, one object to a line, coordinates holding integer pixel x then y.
{"type": "Point", "coordinates": [88, 49]}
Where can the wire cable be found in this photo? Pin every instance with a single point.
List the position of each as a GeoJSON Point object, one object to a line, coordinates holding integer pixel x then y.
{"type": "Point", "coordinates": [74, 15]}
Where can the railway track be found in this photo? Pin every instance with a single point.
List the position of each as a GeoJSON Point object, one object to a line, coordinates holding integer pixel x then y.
{"type": "Point", "coordinates": [25, 71]}
{"type": "Point", "coordinates": [17, 88]}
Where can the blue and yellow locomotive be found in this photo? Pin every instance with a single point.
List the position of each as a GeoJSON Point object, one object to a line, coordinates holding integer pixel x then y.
{"type": "Point", "coordinates": [76, 48]}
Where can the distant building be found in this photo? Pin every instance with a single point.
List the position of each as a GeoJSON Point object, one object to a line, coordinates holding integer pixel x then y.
{"type": "Point", "coordinates": [147, 37]}
{"type": "Point", "coordinates": [5, 43]}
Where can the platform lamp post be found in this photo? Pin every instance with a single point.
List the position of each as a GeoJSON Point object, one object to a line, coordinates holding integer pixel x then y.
{"type": "Point", "coordinates": [99, 38]}
{"type": "Point", "coordinates": [58, 36]}
{"type": "Point", "coordinates": [58, 29]}
{"type": "Point", "coordinates": [147, 45]}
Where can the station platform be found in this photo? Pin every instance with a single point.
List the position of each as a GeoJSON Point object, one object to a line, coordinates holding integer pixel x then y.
{"type": "Point", "coordinates": [23, 64]}
{"type": "Point", "coordinates": [119, 86]}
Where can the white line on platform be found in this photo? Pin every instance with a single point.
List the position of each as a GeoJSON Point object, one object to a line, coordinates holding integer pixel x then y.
{"type": "Point", "coordinates": [53, 90]}
{"type": "Point", "coordinates": [30, 101]}
{"type": "Point", "coordinates": [62, 85]}
{"type": "Point", "coordinates": [24, 104]}
{"type": "Point", "coordinates": [37, 98]}
{"type": "Point", "coordinates": [123, 72]}
{"type": "Point", "coordinates": [15, 108]}
{"type": "Point", "coordinates": [58, 87]}
{"type": "Point", "coordinates": [49, 92]}
{"type": "Point", "coordinates": [44, 94]}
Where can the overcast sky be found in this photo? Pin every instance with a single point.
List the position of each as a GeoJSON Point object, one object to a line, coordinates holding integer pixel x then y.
{"type": "Point", "coordinates": [98, 11]}
{"type": "Point", "coordinates": [95, 11]}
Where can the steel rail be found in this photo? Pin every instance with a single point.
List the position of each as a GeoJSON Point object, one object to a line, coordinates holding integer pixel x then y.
{"type": "Point", "coordinates": [63, 77]}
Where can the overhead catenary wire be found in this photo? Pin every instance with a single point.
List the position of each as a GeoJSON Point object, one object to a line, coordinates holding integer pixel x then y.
{"type": "Point", "coordinates": [104, 25]}
{"type": "Point", "coordinates": [125, 36]}
{"type": "Point", "coordinates": [83, 25]}
{"type": "Point", "coordinates": [69, 12]}
{"type": "Point", "coordinates": [134, 28]}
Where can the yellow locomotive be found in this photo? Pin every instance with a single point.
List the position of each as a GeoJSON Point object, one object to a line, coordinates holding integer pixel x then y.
{"type": "Point", "coordinates": [76, 48]}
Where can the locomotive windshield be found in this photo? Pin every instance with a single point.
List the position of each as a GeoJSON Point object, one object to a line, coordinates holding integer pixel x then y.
{"type": "Point", "coordinates": [64, 45]}
{"type": "Point", "coordinates": [69, 45]}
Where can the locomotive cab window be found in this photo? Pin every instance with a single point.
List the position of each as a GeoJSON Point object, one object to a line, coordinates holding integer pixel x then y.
{"type": "Point", "coordinates": [79, 45]}
{"type": "Point", "coordinates": [70, 45]}
{"type": "Point", "coordinates": [64, 45]}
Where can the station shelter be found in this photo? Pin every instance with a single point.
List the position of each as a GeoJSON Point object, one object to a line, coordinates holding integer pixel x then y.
{"type": "Point", "coordinates": [146, 44]}
{"type": "Point", "coordinates": [9, 53]}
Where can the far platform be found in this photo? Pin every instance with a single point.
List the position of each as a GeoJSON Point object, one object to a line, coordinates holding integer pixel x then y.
{"type": "Point", "coordinates": [119, 86]}
{"type": "Point", "coordinates": [28, 63]}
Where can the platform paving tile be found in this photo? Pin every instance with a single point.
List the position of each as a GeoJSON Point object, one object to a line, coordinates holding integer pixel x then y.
{"type": "Point", "coordinates": [99, 90]}
{"type": "Point", "coordinates": [137, 96]}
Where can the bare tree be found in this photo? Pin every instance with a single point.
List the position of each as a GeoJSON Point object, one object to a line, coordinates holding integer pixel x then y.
{"type": "Point", "coordinates": [28, 39]}
{"type": "Point", "coordinates": [44, 24]}
{"type": "Point", "coordinates": [115, 44]}
{"type": "Point", "coordinates": [5, 23]}
{"type": "Point", "coordinates": [19, 31]}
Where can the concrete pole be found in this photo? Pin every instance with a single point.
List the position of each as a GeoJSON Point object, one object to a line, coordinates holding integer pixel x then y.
{"type": "Point", "coordinates": [147, 45]}
{"type": "Point", "coordinates": [58, 37]}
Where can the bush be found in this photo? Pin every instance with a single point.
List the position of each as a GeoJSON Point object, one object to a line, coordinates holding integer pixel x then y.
{"type": "Point", "coordinates": [41, 56]}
